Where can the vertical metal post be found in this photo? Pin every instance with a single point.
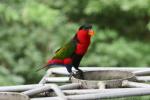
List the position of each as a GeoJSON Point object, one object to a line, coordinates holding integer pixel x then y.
{"type": "Point", "coordinates": [48, 73]}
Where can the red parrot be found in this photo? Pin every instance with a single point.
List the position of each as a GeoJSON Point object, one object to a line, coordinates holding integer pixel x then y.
{"type": "Point", "coordinates": [72, 52]}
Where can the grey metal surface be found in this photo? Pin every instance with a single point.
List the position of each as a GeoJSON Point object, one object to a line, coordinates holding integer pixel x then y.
{"type": "Point", "coordinates": [103, 78]}
{"type": "Point", "coordinates": [12, 96]}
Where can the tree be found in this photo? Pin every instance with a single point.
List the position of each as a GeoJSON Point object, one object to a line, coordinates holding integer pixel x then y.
{"type": "Point", "coordinates": [31, 30]}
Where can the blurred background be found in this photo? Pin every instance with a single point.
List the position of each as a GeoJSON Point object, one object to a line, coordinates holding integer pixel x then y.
{"type": "Point", "coordinates": [31, 30]}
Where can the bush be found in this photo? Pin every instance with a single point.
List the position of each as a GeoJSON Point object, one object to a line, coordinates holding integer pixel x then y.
{"type": "Point", "coordinates": [31, 30]}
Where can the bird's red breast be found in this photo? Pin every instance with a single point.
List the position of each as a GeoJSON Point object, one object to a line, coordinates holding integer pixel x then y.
{"type": "Point", "coordinates": [83, 42]}
{"type": "Point", "coordinates": [83, 37]}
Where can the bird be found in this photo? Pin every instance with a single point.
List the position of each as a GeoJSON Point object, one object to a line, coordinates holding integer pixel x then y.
{"type": "Point", "coordinates": [71, 53]}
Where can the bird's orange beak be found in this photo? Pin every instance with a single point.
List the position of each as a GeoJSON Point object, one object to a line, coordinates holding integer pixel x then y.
{"type": "Point", "coordinates": [91, 32]}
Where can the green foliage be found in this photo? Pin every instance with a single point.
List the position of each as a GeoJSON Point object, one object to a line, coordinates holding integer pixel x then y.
{"type": "Point", "coordinates": [31, 30]}
{"type": "Point", "coordinates": [25, 32]}
{"type": "Point", "coordinates": [131, 98]}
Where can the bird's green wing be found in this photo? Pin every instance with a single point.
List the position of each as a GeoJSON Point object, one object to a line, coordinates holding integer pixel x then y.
{"type": "Point", "coordinates": [66, 50]}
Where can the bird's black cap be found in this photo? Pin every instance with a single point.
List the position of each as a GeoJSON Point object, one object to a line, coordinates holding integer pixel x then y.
{"type": "Point", "coordinates": [86, 26]}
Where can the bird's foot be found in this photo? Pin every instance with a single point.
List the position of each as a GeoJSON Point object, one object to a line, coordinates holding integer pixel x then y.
{"type": "Point", "coordinates": [80, 74]}
{"type": "Point", "coordinates": [71, 74]}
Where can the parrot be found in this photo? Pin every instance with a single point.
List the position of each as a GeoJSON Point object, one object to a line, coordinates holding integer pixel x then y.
{"type": "Point", "coordinates": [71, 53]}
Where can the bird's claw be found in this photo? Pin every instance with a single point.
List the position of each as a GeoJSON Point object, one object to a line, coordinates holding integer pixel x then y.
{"type": "Point", "coordinates": [80, 74]}
{"type": "Point", "coordinates": [71, 74]}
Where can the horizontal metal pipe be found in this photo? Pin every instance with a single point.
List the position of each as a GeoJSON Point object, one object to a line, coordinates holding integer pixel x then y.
{"type": "Point", "coordinates": [134, 92]}
{"type": "Point", "coordinates": [48, 87]}
{"type": "Point", "coordinates": [143, 78]}
{"type": "Point", "coordinates": [142, 72]}
{"type": "Point", "coordinates": [19, 88]}
{"type": "Point", "coordinates": [46, 98]}
{"type": "Point", "coordinates": [70, 86]}
{"type": "Point", "coordinates": [89, 91]}
{"type": "Point", "coordinates": [127, 83]}
{"type": "Point", "coordinates": [37, 90]}
{"type": "Point", "coordinates": [109, 94]}
{"type": "Point", "coordinates": [57, 79]}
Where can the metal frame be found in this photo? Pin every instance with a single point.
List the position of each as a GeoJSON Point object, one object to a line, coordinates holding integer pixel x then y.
{"type": "Point", "coordinates": [104, 94]}
{"type": "Point", "coordinates": [72, 91]}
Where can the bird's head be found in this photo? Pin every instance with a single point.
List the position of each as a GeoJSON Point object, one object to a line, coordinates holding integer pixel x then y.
{"type": "Point", "coordinates": [87, 28]}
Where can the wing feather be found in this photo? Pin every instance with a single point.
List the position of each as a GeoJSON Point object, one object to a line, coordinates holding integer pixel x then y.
{"type": "Point", "coordinates": [65, 51]}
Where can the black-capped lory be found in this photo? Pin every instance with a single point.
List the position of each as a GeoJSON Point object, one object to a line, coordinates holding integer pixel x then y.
{"type": "Point", "coordinates": [70, 54]}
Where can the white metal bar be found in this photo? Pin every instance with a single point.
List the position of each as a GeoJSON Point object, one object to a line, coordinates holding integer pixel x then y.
{"type": "Point", "coordinates": [89, 91]}
{"type": "Point", "coordinates": [127, 83]}
{"type": "Point", "coordinates": [109, 94]}
{"type": "Point", "coordinates": [19, 88]}
{"type": "Point", "coordinates": [57, 79]}
{"type": "Point", "coordinates": [59, 92]}
{"type": "Point", "coordinates": [143, 78]}
{"type": "Point", "coordinates": [47, 87]}
{"type": "Point", "coordinates": [136, 92]}
{"type": "Point", "coordinates": [48, 73]}
{"type": "Point", "coordinates": [70, 86]}
{"type": "Point", "coordinates": [46, 98]}
{"type": "Point", "coordinates": [142, 72]}
{"type": "Point", "coordinates": [37, 90]}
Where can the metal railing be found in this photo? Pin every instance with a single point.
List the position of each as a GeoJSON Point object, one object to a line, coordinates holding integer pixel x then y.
{"type": "Point", "coordinates": [73, 91]}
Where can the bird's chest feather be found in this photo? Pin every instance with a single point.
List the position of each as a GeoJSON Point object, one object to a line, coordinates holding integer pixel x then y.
{"type": "Point", "coordinates": [83, 43]}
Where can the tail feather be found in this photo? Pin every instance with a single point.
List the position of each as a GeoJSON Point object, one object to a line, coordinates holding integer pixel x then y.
{"type": "Point", "coordinates": [51, 63]}
{"type": "Point", "coordinates": [45, 66]}
{"type": "Point", "coordinates": [41, 68]}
